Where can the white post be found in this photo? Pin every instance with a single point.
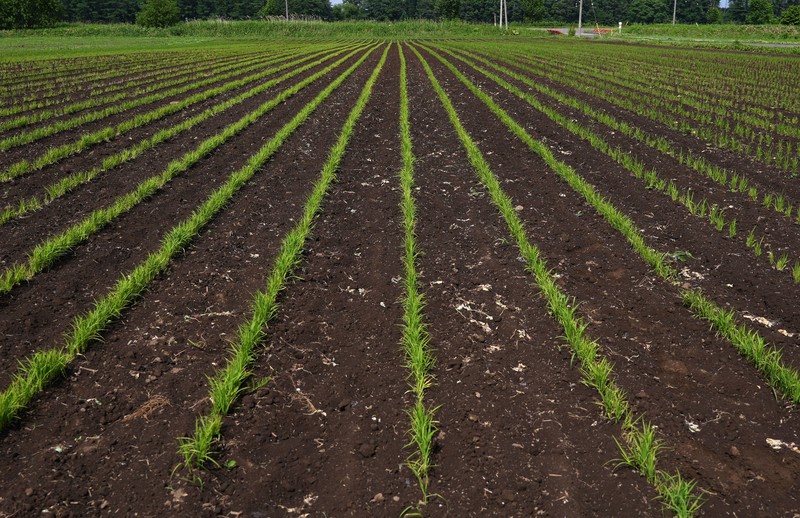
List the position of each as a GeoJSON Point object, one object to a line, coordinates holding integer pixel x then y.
{"type": "Point", "coordinates": [580, 18]}
{"type": "Point", "coordinates": [287, 10]}
{"type": "Point", "coordinates": [620, 27]}
{"type": "Point", "coordinates": [674, 10]}
{"type": "Point", "coordinates": [501, 14]}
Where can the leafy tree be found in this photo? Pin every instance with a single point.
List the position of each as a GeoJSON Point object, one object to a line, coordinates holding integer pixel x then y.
{"type": "Point", "coordinates": [447, 9]}
{"type": "Point", "coordinates": [384, 10]}
{"type": "Point", "coordinates": [347, 11]}
{"type": "Point", "coordinates": [273, 8]}
{"type": "Point", "coordinates": [648, 11]}
{"type": "Point", "coordinates": [22, 14]}
{"type": "Point", "coordinates": [477, 10]}
{"type": "Point", "coordinates": [714, 15]}
{"type": "Point", "coordinates": [158, 13]}
{"type": "Point", "coordinates": [319, 8]}
{"type": "Point", "coordinates": [564, 10]}
{"type": "Point", "coordinates": [738, 9]}
{"type": "Point", "coordinates": [424, 9]}
{"type": "Point", "coordinates": [691, 11]}
{"type": "Point", "coordinates": [515, 10]}
{"type": "Point", "coordinates": [791, 15]}
{"type": "Point", "coordinates": [760, 12]}
{"type": "Point", "coordinates": [605, 12]}
{"type": "Point", "coordinates": [533, 10]}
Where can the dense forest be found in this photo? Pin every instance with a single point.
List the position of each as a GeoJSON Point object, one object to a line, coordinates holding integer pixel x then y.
{"type": "Point", "coordinates": [31, 13]}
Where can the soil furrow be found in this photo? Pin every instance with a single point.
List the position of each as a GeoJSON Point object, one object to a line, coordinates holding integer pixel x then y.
{"type": "Point", "coordinates": [22, 235]}
{"type": "Point", "coordinates": [54, 297]}
{"type": "Point", "coordinates": [676, 371]}
{"type": "Point", "coordinates": [724, 268]}
{"type": "Point", "coordinates": [336, 402]}
{"type": "Point", "coordinates": [496, 344]}
{"type": "Point", "coordinates": [149, 373]}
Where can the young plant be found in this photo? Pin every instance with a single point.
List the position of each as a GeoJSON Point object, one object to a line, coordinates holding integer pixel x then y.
{"type": "Point", "coordinates": [596, 371]}
{"type": "Point", "coordinates": [44, 366]}
{"type": "Point", "coordinates": [227, 384]}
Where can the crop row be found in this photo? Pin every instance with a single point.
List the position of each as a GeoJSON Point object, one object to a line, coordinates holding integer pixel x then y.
{"type": "Point", "coordinates": [57, 88]}
{"type": "Point", "coordinates": [746, 340]}
{"type": "Point", "coordinates": [66, 184]}
{"type": "Point", "coordinates": [51, 249]}
{"type": "Point", "coordinates": [174, 77]}
{"type": "Point", "coordinates": [752, 345]}
{"type": "Point", "coordinates": [700, 207]}
{"type": "Point", "coordinates": [90, 139]}
{"type": "Point", "coordinates": [220, 74]}
{"type": "Point", "coordinates": [771, 139]}
{"type": "Point", "coordinates": [40, 369]}
{"type": "Point", "coordinates": [450, 70]}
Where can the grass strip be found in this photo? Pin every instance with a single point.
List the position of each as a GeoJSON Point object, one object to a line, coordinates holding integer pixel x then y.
{"type": "Point", "coordinates": [227, 384]}
{"type": "Point", "coordinates": [40, 369]}
{"type": "Point", "coordinates": [68, 183]}
{"type": "Point", "coordinates": [47, 252]}
{"type": "Point", "coordinates": [698, 208]}
{"type": "Point", "coordinates": [766, 358]}
{"type": "Point", "coordinates": [420, 360]}
{"type": "Point", "coordinates": [641, 447]}
{"type": "Point", "coordinates": [45, 131]}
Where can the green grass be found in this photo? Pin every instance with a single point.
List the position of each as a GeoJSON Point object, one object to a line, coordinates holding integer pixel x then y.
{"type": "Point", "coordinates": [36, 372]}
{"type": "Point", "coordinates": [77, 39]}
{"type": "Point", "coordinates": [228, 383]}
{"type": "Point", "coordinates": [720, 33]}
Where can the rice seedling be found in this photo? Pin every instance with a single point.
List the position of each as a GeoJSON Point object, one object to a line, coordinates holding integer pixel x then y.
{"type": "Point", "coordinates": [420, 360]}
{"type": "Point", "coordinates": [87, 140]}
{"type": "Point", "coordinates": [46, 253]}
{"type": "Point", "coordinates": [228, 383]}
{"type": "Point", "coordinates": [68, 183]}
{"type": "Point", "coordinates": [596, 371]}
{"type": "Point", "coordinates": [51, 129]}
{"type": "Point", "coordinates": [45, 366]}
{"type": "Point", "coordinates": [749, 343]}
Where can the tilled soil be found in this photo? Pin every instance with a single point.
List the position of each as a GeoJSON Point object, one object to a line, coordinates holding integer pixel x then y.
{"type": "Point", "coordinates": [519, 433]}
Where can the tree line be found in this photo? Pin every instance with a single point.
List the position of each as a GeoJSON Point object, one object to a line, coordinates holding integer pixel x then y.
{"type": "Point", "coordinates": [34, 13]}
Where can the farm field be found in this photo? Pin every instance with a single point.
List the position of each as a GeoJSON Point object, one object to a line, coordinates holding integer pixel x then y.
{"type": "Point", "coordinates": [384, 278]}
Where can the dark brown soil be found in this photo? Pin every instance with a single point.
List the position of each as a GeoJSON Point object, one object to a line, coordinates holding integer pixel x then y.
{"type": "Point", "coordinates": [519, 433]}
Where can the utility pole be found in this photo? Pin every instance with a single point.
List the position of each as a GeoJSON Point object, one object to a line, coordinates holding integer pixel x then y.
{"type": "Point", "coordinates": [674, 10]}
{"type": "Point", "coordinates": [287, 10]}
{"type": "Point", "coordinates": [580, 18]}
